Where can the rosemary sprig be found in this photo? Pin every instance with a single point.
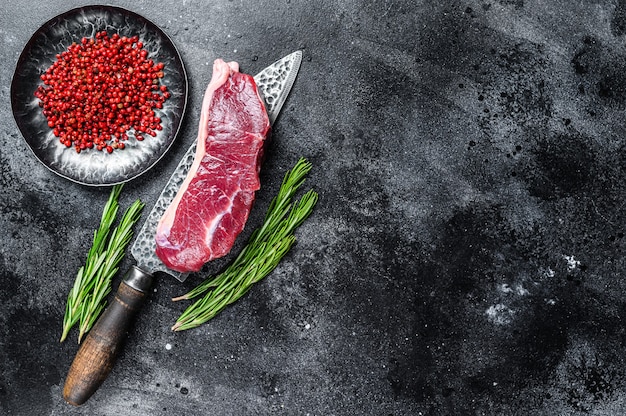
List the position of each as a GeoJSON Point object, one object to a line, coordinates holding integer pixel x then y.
{"type": "Point", "coordinates": [86, 299]}
{"type": "Point", "coordinates": [114, 254]}
{"type": "Point", "coordinates": [265, 249]}
{"type": "Point", "coordinates": [85, 277]}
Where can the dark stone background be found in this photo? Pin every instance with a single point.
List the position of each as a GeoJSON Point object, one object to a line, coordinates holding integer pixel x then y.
{"type": "Point", "coordinates": [465, 257]}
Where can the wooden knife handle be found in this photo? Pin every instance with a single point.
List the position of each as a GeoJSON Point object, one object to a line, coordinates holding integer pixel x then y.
{"type": "Point", "coordinates": [98, 352]}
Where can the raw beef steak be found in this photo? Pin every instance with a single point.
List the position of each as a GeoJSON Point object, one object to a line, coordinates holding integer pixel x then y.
{"type": "Point", "coordinates": [212, 206]}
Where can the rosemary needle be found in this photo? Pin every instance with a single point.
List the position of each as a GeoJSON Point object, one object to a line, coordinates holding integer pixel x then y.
{"type": "Point", "coordinates": [265, 249]}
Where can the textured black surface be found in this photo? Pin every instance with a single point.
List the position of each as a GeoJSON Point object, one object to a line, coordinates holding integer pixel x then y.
{"type": "Point", "coordinates": [466, 255]}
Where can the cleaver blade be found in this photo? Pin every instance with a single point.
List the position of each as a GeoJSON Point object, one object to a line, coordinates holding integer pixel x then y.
{"type": "Point", "coordinates": [98, 352]}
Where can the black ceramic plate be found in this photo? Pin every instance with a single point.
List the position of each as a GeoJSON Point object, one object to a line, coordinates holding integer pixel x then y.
{"type": "Point", "coordinates": [92, 167]}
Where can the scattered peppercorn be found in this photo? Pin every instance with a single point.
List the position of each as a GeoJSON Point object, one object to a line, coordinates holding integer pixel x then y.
{"type": "Point", "coordinates": [99, 90]}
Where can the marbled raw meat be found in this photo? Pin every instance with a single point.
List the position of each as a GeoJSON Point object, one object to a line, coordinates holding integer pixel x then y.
{"type": "Point", "coordinates": [212, 206]}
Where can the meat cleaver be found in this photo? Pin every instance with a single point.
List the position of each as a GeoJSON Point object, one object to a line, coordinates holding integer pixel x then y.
{"type": "Point", "coordinates": [98, 352]}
